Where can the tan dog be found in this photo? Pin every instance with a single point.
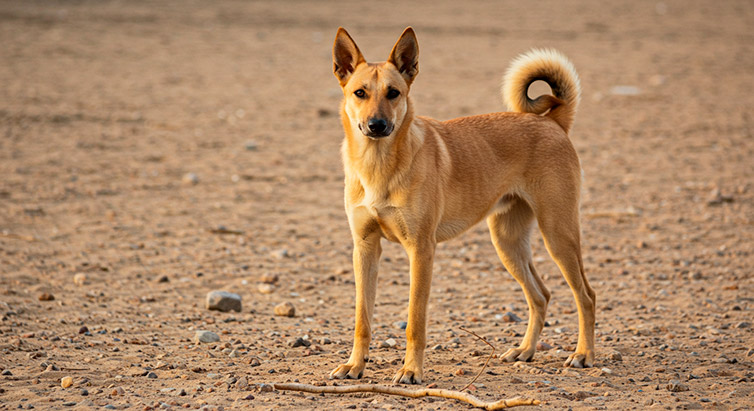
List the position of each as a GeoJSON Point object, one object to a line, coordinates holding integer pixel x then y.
{"type": "Point", "coordinates": [419, 181]}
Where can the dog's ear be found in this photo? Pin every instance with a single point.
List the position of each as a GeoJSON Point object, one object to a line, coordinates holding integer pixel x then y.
{"type": "Point", "coordinates": [345, 56]}
{"type": "Point", "coordinates": [405, 55]}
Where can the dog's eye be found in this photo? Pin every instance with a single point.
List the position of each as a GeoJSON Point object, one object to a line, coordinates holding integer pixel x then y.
{"type": "Point", "coordinates": [360, 93]}
{"type": "Point", "coordinates": [393, 93]}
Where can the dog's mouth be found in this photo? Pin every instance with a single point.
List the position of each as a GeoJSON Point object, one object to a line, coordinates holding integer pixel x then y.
{"type": "Point", "coordinates": [376, 134]}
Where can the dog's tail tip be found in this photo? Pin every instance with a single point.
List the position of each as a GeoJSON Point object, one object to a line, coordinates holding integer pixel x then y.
{"type": "Point", "coordinates": [552, 67]}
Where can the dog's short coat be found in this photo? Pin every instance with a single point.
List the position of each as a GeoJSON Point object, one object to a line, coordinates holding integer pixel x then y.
{"type": "Point", "coordinates": [419, 181]}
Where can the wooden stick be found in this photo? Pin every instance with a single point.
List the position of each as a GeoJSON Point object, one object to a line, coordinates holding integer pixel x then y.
{"type": "Point", "coordinates": [406, 392]}
{"type": "Point", "coordinates": [485, 363]}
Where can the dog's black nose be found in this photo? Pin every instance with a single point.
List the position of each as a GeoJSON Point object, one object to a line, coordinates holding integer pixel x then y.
{"type": "Point", "coordinates": [377, 126]}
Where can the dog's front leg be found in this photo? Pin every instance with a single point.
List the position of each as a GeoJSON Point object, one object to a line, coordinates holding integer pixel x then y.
{"type": "Point", "coordinates": [421, 258]}
{"type": "Point", "coordinates": [366, 256]}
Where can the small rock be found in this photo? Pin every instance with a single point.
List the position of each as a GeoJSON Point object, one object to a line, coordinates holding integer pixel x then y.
{"type": "Point", "coordinates": [438, 347]}
{"type": "Point", "coordinates": [625, 91]}
{"type": "Point", "coordinates": [543, 346]}
{"type": "Point", "coordinates": [190, 179]}
{"type": "Point", "coordinates": [118, 391]}
{"type": "Point", "coordinates": [280, 254]}
{"type": "Point", "coordinates": [616, 356]}
{"type": "Point", "coordinates": [79, 279]}
{"type": "Point", "coordinates": [46, 297]}
{"type": "Point", "coordinates": [300, 342]}
{"type": "Point", "coordinates": [250, 146]}
{"type": "Point", "coordinates": [265, 388]}
{"type": "Point", "coordinates": [285, 309]}
{"type": "Point", "coordinates": [677, 386]}
{"type": "Point", "coordinates": [516, 380]}
{"type": "Point", "coordinates": [206, 337]}
{"type": "Point", "coordinates": [83, 330]}
{"type": "Point", "coordinates": [182, 393]}
{"type": "Point", "coordinates": [223, 301]}
{"type": "Point", "coordinates": [7, 372]}
{"type": "Point", "coordinates": [163, 279]}
{"type": "Point", "coordinates": [242, 383]}
{"type": "Point", "coordinates": [743, 324]}
{"type": "Point", "coordinates": [52, 367]}
{"type": "Point", "coordinates": [66, 382]}
{"type": "Point", "coordinates": [151, 375]}
{"type": "Point", "coordinates": [401, 325]}
{"type": "Point", "coordinates": [389, 343]}
{"type": "Point", "coordinates": [509, 317]}
{"type": "Point", "coordinates": [266, 288]}
{"type": "Point", "coordinates": [268, 278]}
{"type": "Point", "coordinates": [84, 392]}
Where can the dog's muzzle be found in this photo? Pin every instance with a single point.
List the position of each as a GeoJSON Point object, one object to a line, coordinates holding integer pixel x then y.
{"type": "Point", "coordinates": [376, 128]}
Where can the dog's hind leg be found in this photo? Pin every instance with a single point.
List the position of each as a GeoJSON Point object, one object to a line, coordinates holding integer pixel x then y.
{"type": "Point", "coordinates": [559, 223]}
{"type": "Point", "coordinates": [510, 232]}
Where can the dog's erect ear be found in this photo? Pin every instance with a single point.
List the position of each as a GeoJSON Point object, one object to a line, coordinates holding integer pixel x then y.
{"type": "Point", "coordinates": [405, 55]}
{"type": "Point", "coordinates": [345, 56]}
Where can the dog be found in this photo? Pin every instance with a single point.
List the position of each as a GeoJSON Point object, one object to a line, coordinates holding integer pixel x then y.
{"type": "Point", "coordinates": [418, 181]}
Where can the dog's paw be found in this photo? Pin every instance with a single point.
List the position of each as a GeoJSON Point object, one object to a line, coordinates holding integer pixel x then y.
{"type": "Point", "coordinates": [352, 371]}
{"type": "Point", "coordinates": [519, 354]}
{"type": "Point", "coordinates": [580, 360]}
{"type": "Point", "coordinates": [406, 375]}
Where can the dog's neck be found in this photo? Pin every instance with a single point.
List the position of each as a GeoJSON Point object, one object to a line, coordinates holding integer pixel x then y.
{"type": "Point", "coordinates": [379, 163]}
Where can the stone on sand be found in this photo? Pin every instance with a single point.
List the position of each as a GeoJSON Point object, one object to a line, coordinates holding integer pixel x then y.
{"type": "Point", "coordinates": [206, 337]}
{"type": "Point", "coordinates": [223, 301]}
{"type": "Point", "coordinates": [285, 309]}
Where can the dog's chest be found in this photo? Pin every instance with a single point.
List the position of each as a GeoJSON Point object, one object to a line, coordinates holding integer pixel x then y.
{"type": "Point", "coordinates": [377, 210]}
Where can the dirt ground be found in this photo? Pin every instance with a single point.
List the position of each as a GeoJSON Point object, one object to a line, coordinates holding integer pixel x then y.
{"type": "Point", "coordinates": [167, 149]}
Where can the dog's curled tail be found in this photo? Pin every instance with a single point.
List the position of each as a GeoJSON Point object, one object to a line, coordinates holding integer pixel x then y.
{"type": "Point", "coordinates": [556, 70]}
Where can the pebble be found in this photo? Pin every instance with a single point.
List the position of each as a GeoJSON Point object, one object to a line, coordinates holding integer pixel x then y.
{"type": "Point", "coordinates": [118, 391]}
{"type": "Point", "coordinates": [7, 372]}
{"type": "Point", "coordinates": [616, 356]}
{"type": "Point", "coordinates": [163, 279]}
{"type": "Point", "coordinates": [84, 392]}
{"type": "Point", "coordinates": [743, 324]}
{"type": "Point", "coordinates": [543, 346]}
{"type": "Point", "coordinates": [251, 145]}
{"type": "Point", "coordinates": [401, 325]}
{"type": "Point", "coordinates": [280, 254]}
{"type": "Point", "coordinates": [625, 91]}
{"type": "Point", "coordinates": [266, 288]}
{"type": "Point", "coordinates": [223, 301]}
{"type": "Point", "coordinates": [300, 342]}
{"type": "Point", "coordinates": [190, 179]}
{"type": "Point", "coordinates": [151, 375]}
{"type": "Point", "coordinates": [265, 387]}
{"type": "Point", "coordinates": [79, 279]}
{"type": "Point", "coordinates": [242, 383]}
{"type": "Point", "coordinates": [206, 337]}
{"type": "Point", "coordinates": [389, 343]}
{"type": "Point", "coordinates": [66, 382]}
{"type": "Point", "coordinates": [268, 278]}
{"type": "Point", "coordinates": [285, 309]}
{"type": "Point", "coordinates": [46, 297]}
{"type": "Point", "coordinates": [509, 317]}
{"type": "Point", "coordinates": [83, 330]}
{"type": "Point", "coordinates": [516, 380]}
{"type": "Point", "coordinates": [677, 386]}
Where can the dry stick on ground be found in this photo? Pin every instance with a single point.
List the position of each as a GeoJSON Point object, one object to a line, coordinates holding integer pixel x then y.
{"type": "Point", "coordinates": [485, 363]}
{"type": "Point", "coordinates": [411, 393]}
{"type": "Point", "coordinates": [421, 392]}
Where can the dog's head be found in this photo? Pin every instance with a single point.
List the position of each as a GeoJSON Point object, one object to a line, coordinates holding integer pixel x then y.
{"type": "Point", "coordinates": [376, 94]}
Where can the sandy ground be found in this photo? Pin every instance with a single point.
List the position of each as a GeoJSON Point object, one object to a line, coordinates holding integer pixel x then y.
{"type": "Point", "coordinates": [107, 106]}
